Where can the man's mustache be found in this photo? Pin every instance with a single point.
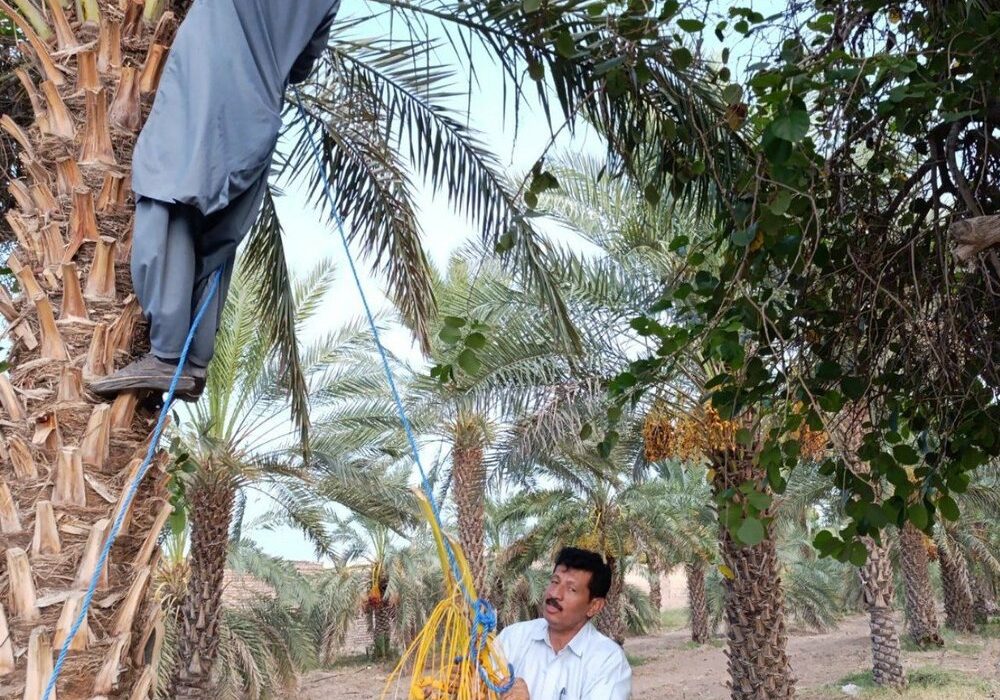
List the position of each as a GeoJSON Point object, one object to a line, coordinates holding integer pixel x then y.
{"type": "Point", "coordinates": [554, 603]}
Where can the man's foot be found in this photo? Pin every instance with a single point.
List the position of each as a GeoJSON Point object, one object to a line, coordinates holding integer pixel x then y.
{"type": "Point", "coordinates": [197, 374]}
{"type": "Point", "coordinates": [148, 373]}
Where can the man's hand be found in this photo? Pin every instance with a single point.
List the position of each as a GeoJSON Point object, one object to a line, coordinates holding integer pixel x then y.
{"type": "Point", "coordinates": [518, 692]}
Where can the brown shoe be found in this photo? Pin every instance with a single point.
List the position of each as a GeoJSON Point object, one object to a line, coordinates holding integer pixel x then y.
{"type": "Point", "coordinates": [197, 374]}
{"type": "Point", "coordinates": [148, 373]}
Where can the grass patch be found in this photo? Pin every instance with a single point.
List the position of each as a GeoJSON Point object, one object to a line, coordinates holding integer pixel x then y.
{"type": "Point", "coordinates": [672, 620]}
{"type": "Point", "coordinates": [952, 642]}
{"type": "Point", "coordinates": [716, 643]}
{"type": "Point", "coordinates": [971, 648]}
{"type": "Point", "coordinates": [363, 660]}
{"type": "Point", "coordinates": [927, 683]}
{"type": "Point", "coordinates": [990, 630]}
{"type": "Point", "coordinates": [352, 661]}
{"type": "Point", "coordinates": [635, 661]}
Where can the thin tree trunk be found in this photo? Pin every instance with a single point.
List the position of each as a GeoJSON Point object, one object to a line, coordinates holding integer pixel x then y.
{"type": "Point", "coordinates": [958, 604]}
{"type": "Point", "coordinates": [381, 620]}
{"type": "Point", "coordinates": [921, 617]}
{"type": "Point", "coordinates": [655, 592]}
{"type": "Point", "coordinates": [469, 488]}
{"type": "Point", "coordinates": [877, 589]}
{"type": "Point", "coordinates": [984, 604]}
{"type": "Point", "coordinates": [382, 631]}
{"type": "Point", "coordinates": [67, 458]}
{"type": "Point", "coordinates": [697, 602]}
{"type": "Point", "coordinates": [201, 612]}
{"type": "Point", "coordinates": [755, 615]}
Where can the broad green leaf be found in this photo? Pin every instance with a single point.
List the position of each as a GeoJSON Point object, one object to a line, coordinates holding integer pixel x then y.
{"type": "Point", "coordinates": [691, 25]}
{"type": "Point", "coordinates": [905, 454]}
{"type": "Point", "coordinates": [469, 362]}
{"type": "Point", "coordinates": [917, 514]}
{"type": "Point", "coordinates": [751, 532]}
{"type": "Point", "coordinates": [732, 93]}
{"type": "Point", "coordinates": [682, 58]}
{"type": "Point", "coordinates": [949, 509]}
{"type": "Point", "coordinates": [565, 46]}
{"type": "Point", "coordinates": [760, 501]}
{"type": "Point", "coordinates": [745, 237]}
{"type": "Point", "coordinates": [791, 127]}
{"type": "Point", "coordinates": [476, 341]}
{"type": "Point", "coordinates": [857, 554]}
{"type": "Point", "coordinates": [450, 335]}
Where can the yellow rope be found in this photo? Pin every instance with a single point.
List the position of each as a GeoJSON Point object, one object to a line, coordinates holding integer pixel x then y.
{"type": "Point", "coordinates": [437, 662]}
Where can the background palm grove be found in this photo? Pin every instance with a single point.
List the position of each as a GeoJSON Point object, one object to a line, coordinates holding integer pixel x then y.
{"type": "Point", "coordinates": [746, 347]}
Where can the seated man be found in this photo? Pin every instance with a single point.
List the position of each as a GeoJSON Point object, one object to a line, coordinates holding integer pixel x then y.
{"type": "Point", "coordinates": [562, 656]}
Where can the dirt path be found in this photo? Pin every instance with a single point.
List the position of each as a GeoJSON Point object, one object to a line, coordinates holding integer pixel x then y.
{"type": "Point", "coordinates": [667, 668]}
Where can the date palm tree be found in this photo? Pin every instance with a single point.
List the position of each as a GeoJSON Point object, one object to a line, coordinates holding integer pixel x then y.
{"type": "Point", "coordinates": [240, 436]}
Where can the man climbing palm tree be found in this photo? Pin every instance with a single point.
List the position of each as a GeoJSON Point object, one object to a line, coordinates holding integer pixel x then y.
{"type": "Point", "coordinates": [200, 169]}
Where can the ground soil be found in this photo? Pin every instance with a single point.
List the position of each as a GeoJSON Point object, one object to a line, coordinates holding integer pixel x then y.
{"type": "Point", "coordinates": [667, 666]}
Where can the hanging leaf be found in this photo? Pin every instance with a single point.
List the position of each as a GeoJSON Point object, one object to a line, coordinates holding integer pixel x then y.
{"type": "Point", "coordinates": [857, 553]}
{"type": "Point", "coordinates": [682, 58]}
{"type": "Point", "coordinates": [949, 509]}
{"type": "Point", "coordinates": [476, 341]}
{"type": "Point", "coordinates": [469, 362]}
{"type": "Point", "coordinates": [791, 127]}
{"type": "Point", "coordinates": [751, 532]}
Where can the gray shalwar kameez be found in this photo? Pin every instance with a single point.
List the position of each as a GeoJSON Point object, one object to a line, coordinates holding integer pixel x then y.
{"type": "Point", "coordinates": [201, 162]}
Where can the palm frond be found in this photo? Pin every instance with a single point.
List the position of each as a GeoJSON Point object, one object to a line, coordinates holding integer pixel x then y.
{"type": "Point", "coordinates": [265, 260]}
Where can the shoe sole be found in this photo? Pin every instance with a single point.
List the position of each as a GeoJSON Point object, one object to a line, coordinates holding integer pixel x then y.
{"type": "Point", "coordinates": [142, 383]}
{"type": "Point", "coordinates": [195, 393]}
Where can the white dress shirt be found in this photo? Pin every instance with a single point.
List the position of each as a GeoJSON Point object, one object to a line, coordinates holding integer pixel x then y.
{"type": "Point", "coordinates": [590, 667]}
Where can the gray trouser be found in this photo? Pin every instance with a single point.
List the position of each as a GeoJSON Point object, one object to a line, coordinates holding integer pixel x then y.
{"type": "Point", "coordinates": [175, 250]}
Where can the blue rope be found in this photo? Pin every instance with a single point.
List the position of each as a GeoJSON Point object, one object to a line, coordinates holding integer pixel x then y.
{"type": "Point", "coordinates": [485, 619]}
{"type": "Point", "coordinates": [143, 469]}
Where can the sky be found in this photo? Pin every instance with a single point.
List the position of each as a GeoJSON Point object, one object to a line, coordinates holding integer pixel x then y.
{"type": "Point", "coordinates": [309, 239]}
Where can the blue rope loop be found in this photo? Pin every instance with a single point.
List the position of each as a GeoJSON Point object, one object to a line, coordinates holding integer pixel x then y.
{"type": "Point", "coordinates": [485, 620]}
{"type": "Point", "coordinates": [484, 624]}
{"type": "Point", "coordinates": [154, 444]}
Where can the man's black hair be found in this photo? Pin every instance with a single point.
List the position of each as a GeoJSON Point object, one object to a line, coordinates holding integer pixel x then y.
{"type": "Point", "coordinates": [585, 560]}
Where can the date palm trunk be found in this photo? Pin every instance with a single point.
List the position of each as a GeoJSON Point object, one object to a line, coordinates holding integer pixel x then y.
{"type": "Point", "coordinates": [611, 620]}
{"type": "Point", "coordinates": [655, 591]}
{"type": "Point", "coordinates": [921, 616]}
{"type": "Point", "coordinates": [212, 500]}
{"type": "Point", "coordinates": [469, 489]}
{"type": "Point", "coordinates": [877, 591]}
{"type": "Point", "coordinates": [959, 607]}
{"type": "Point", "coordinates": [67, 457]}
{"type": "Point", "coordinates": [697, 601]}
{"type": "Point", "coordinates": [754, 608]}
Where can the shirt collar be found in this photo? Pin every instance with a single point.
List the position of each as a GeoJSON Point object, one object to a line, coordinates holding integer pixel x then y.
{"type": "Point", "coordinates": [577, 645]}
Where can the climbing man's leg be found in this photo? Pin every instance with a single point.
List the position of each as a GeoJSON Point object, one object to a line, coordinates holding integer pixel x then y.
{"type": "Point", "coordinates": [163, 272]}
{"type": "Point", "coordinates": [216, 248]}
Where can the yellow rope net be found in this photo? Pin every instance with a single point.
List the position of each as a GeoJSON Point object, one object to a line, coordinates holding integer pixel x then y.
{"type": "Point", "coordinates": [438, 662]}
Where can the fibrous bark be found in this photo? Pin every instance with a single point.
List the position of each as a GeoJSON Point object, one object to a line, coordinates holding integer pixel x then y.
{"type": "Point", "coordinates": [66, 462]}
